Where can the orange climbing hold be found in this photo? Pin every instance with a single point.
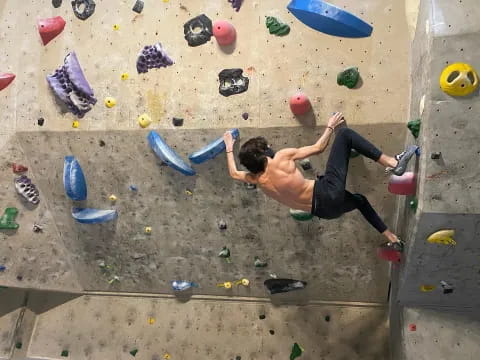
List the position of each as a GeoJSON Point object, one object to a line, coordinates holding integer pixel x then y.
{"type": "Point", "coordinates": [50, 28]}
{"type": "Point", "coordinates": [5, 80]}
{"type": "Point", "coordinates": [299, 104]}
{"type": "Point", "coordinates": [224, 32]}
{"type": "Point", "coordinates": [403, 185]}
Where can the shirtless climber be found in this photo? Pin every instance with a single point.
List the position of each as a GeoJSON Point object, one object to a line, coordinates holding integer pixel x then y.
{"type": "Point", "coordinates": [325, 197]}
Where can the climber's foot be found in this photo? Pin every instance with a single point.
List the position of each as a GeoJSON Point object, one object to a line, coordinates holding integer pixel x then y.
{"type": "Point", "coordinates": [403, 158]}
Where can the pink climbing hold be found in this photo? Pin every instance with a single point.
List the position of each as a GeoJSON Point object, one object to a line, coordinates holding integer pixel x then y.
{"type": "Point", "coordinates": [299, 104]}
{"type": "Point", "coordinates": [49, 28]}
{"type": "Point", "coordinates": [5, 80]}
{"type": "Point", "coordinates": [402, 185]}
{"type": "Point", "coordinates": [389, 254]}
{"type": "Point", "coordinates": [224, 32]}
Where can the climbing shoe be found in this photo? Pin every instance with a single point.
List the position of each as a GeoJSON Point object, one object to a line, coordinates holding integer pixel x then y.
{"type": "Point", "coordinates": [403, 158]}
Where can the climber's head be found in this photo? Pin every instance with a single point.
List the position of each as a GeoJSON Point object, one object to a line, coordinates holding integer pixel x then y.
{"type": "Point", "coordinates": [253, 154]}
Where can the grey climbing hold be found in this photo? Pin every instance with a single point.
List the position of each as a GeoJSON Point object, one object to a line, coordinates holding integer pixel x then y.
{"type": "Point", "coordinates": [436, 155]}
{"type": "Point", "coordinates": [57, 3]}
{"type": "Point", "coordinates": [88, 8]}
{"type": "Point", "coordinates": [232, 82]}
{"type": "Point", "coordinates": [306, 164]}
{"type": "Point", "coordinates": [222, 225]}
{"type": "Point", "coordinates": [138, 6]}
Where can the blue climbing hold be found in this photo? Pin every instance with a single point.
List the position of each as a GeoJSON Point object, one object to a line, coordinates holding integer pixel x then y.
{"type": "Point", "coordinates": [93, 216]}
{"type": "Point", "coordinates": [329, 19]}
{"type": "Point", "coordinates": [211, 150]}
{"type": "Point", "coordinates": [74, 180]}
{"type": "Point", "coordinates": [168, 155]}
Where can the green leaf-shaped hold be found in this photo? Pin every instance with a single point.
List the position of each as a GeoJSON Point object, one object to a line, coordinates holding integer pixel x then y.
{"type": "Point", "coordinates": [134, 352]}
{"type": "Point", "coordinates": [7, 221]}
{"type": "Point", "coordinates": [301, 215]}
{"type": "Point", "coordinates": [349, 77]}
{"type": "Point", "coordinates": [296, 351]}
{"type": "Point", "coordinates": [276, 27]}
{"type": "Point", "coordinates": [414, 127]}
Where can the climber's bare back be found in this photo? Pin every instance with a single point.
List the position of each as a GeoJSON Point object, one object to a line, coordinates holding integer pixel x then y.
{"type": "Point", "coordinates": [284, 182]}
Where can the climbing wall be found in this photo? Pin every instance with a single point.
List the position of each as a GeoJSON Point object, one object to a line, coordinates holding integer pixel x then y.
{"type": "Point", "coordinates": [337, 258]}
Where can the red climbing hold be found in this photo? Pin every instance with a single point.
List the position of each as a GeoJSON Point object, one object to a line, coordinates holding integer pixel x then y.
{"type": "Point", "coordinates": [49, 28]}
{"type": "Point", "coordinates": [412, 327]}
{"type": "Point", "coordinates": [299, 104]}
{"type": "Point", "coordinates": [18, 168]}
{"type": "Point", "coordinates": [224, 32]}
{"type": "Point", "coordinates": [402, 185]}
{"type": "Point", "coordinates": [5, 80]}
{"type": "Point", "coordinates": [388, 254]}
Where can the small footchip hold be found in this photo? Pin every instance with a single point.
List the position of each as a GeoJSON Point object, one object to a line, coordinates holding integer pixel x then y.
{"type": "Point", "coordinates": [138, 7]}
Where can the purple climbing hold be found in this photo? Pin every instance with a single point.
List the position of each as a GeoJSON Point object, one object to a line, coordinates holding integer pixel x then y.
{"type": "Point", "coordinates": [27, 190]}
{"type": "Point", "coordinates": [71, 87]}
{"type": "Point", "coordinates": [152, 57]}
{"type": "Point", "coordinates": [245, 116]}
{"type": "Point", "coordinates": [236, 4]}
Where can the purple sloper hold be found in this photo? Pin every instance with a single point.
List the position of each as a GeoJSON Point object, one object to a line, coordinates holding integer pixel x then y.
{"type": "Point", "coordinates": [71, 87]}
{"type": "Point", "coordinates": [152, 57]}
{"type": "Point", "coordinates": [27, 190]}
{"type": "Point", "coordinates": [236, 4]}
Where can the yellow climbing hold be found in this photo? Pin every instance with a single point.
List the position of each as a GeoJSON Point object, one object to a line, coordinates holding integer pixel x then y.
{"type": "Point", "coordinates": [427, 288]}
{"type": "Point", "coordinates": [110, 102]}
{"type": "Point", "coordinates": [151, 320]}
{"type": "Point", "coordinates": [148, 230]}
{"type": "Point", "coordinates": [125, 76]}
{"type": "Point", "coordinates": [75, 124]}
{"type": "Point", "coordinates": [459, 79]}
{"type": "Point", "coordinates": [112, 198]}
{"type": "Point", "coordinates": [116, 27]}
{"type": "Point", "coordinates": [244, 282]}
{"type": "Point", "coordinates": [166, 356]}
{"type": "Point", "coordinates": [226, 285]}
{"type": "Point", "coordinates": [188, 192]}
{"type": "Point", "coordinates": [443, 237]}
{"type": "Point", "coordinates": [144, 120]}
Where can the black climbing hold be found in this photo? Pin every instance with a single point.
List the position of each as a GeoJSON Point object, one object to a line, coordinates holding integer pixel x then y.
{"type": "Point", "coordinates": [436, 155]}
{"type": "Point", "coordinates": [64, 353]}
{"type": "Point", "coordinates": [177, 121]}
{"type": "Point", "coordinates": [57, 3]}
{"type": "Point", "coordinates": [272, 332]}
{"type": "Point", "coordinates": [276, 286]}
{"type": "Point", "coordinates": [327, 318]}
{"type": "Point", "coordinates": [19, 277]}
{"type": "Point", "coordinates": [198, 30]}
{"type": "Point", "coordinates": [138, 7]}
{"type": "Point", "coordinates": [232, 82]}
{"type": "Point", "coordinates": [245, 116]}
{"type": "Point", "coordinates": [101, 143]}
{"type": "Point", "coordinates": [262, 317]}
{"type": "Point", "coordinates": [222, 225]}
{"type": "Point", "coordinates": [238, 357]}
{"type": "Point", "coordinates": [306, 164]}
{"type": "Point", "coordinates": [41, 121]}
{"type": "Point", "coordinates": [88, 9]}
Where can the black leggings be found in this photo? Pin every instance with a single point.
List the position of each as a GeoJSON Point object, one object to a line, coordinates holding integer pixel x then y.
{"type": "Point", "coordinates": [330, 199]}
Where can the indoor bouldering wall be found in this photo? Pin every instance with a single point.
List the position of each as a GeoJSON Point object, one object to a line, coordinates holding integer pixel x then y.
{"type": "Point", "coordinates": [337, 258]}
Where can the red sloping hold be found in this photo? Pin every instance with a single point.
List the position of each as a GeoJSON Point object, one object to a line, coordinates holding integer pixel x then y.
{"type": "Point", "coordinates": [5, 80]}
{"type": "Point", "coordinates": [49, 28]}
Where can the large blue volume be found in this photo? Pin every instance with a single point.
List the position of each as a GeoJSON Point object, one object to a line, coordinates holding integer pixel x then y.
{"type": "Point", "coordinates": [329, 19]}
{"type": "Point", "coordinates": [74, 180]}
{"type": "Point", "coordinates": [93, 216]}
{"type": "Point", "coordinates": [168, 155]}
{"type": "Point", "coordinates": [211, 150]}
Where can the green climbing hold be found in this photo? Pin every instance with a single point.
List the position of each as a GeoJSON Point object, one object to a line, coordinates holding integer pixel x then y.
{"type": "Point", "coordinates": [225, 253]}
{"type": "Point", "coordinates": [276, 27]}
{"type": "Point", "coordinates": [354, 153]}
{"type": "Point", "coordinates": [134, 352]}
{"type": "Point", "coordinates": [7, 221]}
{"type": "Point", "coordinates": [64, 353]}
{"type": "Point", "coordinates": [297, 351]}
{"type": "Point", "coordinates": [301, 215]}
{"type": "Point", "coordinates": [349, 77]}
{"type": "Point", "coordinates": [413, 204]}
{"type": "Point", "coordinates": [259, 263]}
{"type": "Point", "coordinates": [18, 344]}
{"type": "Point", "coordinates": [414, 127]}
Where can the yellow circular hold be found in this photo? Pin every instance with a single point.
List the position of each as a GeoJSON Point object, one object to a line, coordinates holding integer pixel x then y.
{"type": "Point", "coordinates": [144, 120]}
{"type": "Point", "coordinates": [112, 198]}
{"type": "Point", "coordinates": [245, 282]}
{"type": "Point", "coordinates": [166, 356]}
{"type": "Point", "coordinates": [188, 192]}
{"type": "Point", "coordinates": [75, 124]}
{"type": "Point", "coordinates": [151, 320]}
{"type": "Point", "coordinates": [124, 76]}
{"type": "Point", "coordinates": [459, 79]}
{"type": "Point", "coordinates": [116, 27]}
{"type": "Point", "coordinates": [110, 102]}
{"type": "Point", "coordinates": [148, 230]}
{"type": "Point", "coordinates": [227, 285]}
